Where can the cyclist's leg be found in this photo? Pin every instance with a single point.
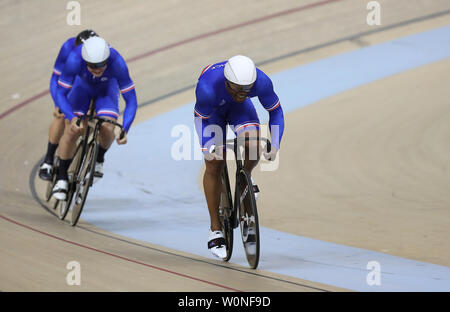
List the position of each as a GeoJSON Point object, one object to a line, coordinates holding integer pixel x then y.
{"type": "Point", "coordinates": [246, 124]}
{"type": "Point", "coordinates": [79, 98]}
{"type": "Point", "coordinates": [212, 182]}
{"type": "Point", "coordinates": [107, 106]}
{"type": "Point", "coordinates": [214, 134]}
{"type": "Point", "coordinates": [212, 185]}
{"type": "Point", "coordinates": [56, 131]}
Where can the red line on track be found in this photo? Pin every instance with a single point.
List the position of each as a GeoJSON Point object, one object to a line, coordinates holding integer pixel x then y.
{"type": "Point", "coordinates": [232, 27]}
{"type": "Point", "coordinates": [185, 41]}
{"type": "Point", "coordinates": [119, 257]}
{"type": "Point", "coordinates": [28, 101]}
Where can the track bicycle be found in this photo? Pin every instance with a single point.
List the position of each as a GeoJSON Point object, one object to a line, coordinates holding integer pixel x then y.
{"type": "Point", "coordinates": [82, 168]}
{"type": "Point", "coordinates": [243, 210]}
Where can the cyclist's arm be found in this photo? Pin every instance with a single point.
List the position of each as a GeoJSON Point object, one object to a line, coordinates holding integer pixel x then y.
{"type": "Point", "coordinates": [65, 82]}
{"type": "Point", "coordinates": [127, 90]}
{"type": "Point", "coordinates": [64, 52]}
{"type": "Point", "coordinates": [202, 111]}
{"type": "Point", "coordinates": [54, 87]}
{"type": "Point", "coordinates": [270, 101]}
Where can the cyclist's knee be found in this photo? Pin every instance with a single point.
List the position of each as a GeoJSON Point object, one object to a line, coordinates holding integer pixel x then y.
{"type": "Point", "coordinates": [214, 166]}
{"type": "Point", "coordinates": [70, 133]}
{"type": "Point", "coordinates": [107, 128]}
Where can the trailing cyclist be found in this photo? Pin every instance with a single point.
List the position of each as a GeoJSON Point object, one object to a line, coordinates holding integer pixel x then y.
{"type": "Point", "coordinates": [94, 71]}
{"type": "Point", "coordinates": [56, 129]}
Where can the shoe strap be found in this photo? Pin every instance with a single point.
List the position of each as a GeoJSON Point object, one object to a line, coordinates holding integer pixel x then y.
{"type": "Point", "coordinates": [60, 190]}
{"type": "Point", "coordinates": [216, 242]}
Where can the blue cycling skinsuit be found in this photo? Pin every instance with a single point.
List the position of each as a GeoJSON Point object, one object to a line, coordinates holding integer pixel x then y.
{"type": "Point", "coordinates": [64, 52]}
{"type": "Point", "coordinates": [215, 106]}
{"type": "Point", "coordinates": [77, 87]}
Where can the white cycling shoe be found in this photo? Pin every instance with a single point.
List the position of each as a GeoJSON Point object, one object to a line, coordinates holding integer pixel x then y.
{"type": "Point", "coordinates": [255, 188]}
{"type": "Point", "coordinates": [217, 244]}
{"type": "Point", "coordinates": [250, 241]}
{"type": "Point", "coordinates": [98, 173]}
{"type": "Point", "coordinates": [45, 171]}
{"type": "Point", "coordinates": [60, 189]}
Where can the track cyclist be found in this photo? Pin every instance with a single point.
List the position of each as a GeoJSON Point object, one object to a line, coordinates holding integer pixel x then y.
{"type": "Point", "coordinates": [223, 95]}
{"type": "Point", "coordinates": [56, 129]}
{"type": "Point", "coordinates": [93, 71]}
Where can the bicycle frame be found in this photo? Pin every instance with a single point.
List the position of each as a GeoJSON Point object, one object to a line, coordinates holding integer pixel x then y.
{"type": "Point", "coordinates": [86, 164]}
{"type": "Point", "coordinates": [248, 216]}
{"type": "Point", "coordinates": [235, 144]}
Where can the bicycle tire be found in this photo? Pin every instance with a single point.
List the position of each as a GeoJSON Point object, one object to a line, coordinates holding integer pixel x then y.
{"type": "Point", "coordinates": [84, 181]}
{"type": "Point", "coordinates": [225, 212]}
{"type": "Point", "coordinates": [248, 217]}
{"type": "Point", "coordinates": [63, 206]}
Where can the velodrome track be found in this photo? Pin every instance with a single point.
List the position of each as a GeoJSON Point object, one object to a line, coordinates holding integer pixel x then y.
{"type": "Point", "coordinates": [364, 168]}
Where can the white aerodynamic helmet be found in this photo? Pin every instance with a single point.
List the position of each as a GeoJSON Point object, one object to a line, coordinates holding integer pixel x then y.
{"type": "Point", "coordinates": [240, 70]}
{"type": "Point", "coordinates": [95, 51]}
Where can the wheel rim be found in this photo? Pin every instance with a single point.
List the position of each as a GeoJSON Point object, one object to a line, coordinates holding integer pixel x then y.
{"type": "Point", "coordinates": [63, 208]}
{"type": "Point", "coordinates": [225, 208]}
{"type": "Point", "coordinates": [248, 221]}
{"type": "Point", "coordinates": [83, 182]}
{"type": "Point", "coordinates": [227, 230]}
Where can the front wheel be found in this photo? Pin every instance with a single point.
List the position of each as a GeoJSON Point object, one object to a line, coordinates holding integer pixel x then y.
{"type": "Point", "coordinates": [63, 206]}
{"type": "Point", "coordinates": [248, 217]}
{"type": "Point", "coordinates": [225, 212]}
{"type": "Point", "coordinates": [84, 181]}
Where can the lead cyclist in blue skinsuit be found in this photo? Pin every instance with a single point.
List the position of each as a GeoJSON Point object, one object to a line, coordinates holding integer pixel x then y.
{"type": "Point", "coordinates": [96, 71]}
{"type": "Point", "coordinates": [56, 129]}
{"type": "Point", "coordinates": [223, 95]}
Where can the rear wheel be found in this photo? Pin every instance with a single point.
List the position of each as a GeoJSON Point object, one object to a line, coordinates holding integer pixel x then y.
{"type": "Point", "coordinates": [84, 181]}
{"type": "Point", "coordinates": [248, 217]}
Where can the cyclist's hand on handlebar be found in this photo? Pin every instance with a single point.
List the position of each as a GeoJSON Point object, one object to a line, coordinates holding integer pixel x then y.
{"type": "Point", "coordinates": [122, 139]}
{"type": "Point", "coordinates": [76, 124]}
{"type": "Point", "coordinates": [57, 113]}
{"type": "Point", "coordinates": [272, 155]}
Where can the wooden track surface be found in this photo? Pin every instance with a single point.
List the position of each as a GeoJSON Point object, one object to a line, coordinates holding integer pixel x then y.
{"type": "Point", "coordinates": [167, 44]}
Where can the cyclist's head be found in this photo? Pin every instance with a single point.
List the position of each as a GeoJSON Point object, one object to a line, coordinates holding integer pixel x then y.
{"type": "Point", "coordinates": [84, 35]}
{"type": "Point", "coordinates": [240, 70]}
{"type": "Point", "coordinates": [95, 53]}
{"type": "Point", "coordinates": [240, 75]}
